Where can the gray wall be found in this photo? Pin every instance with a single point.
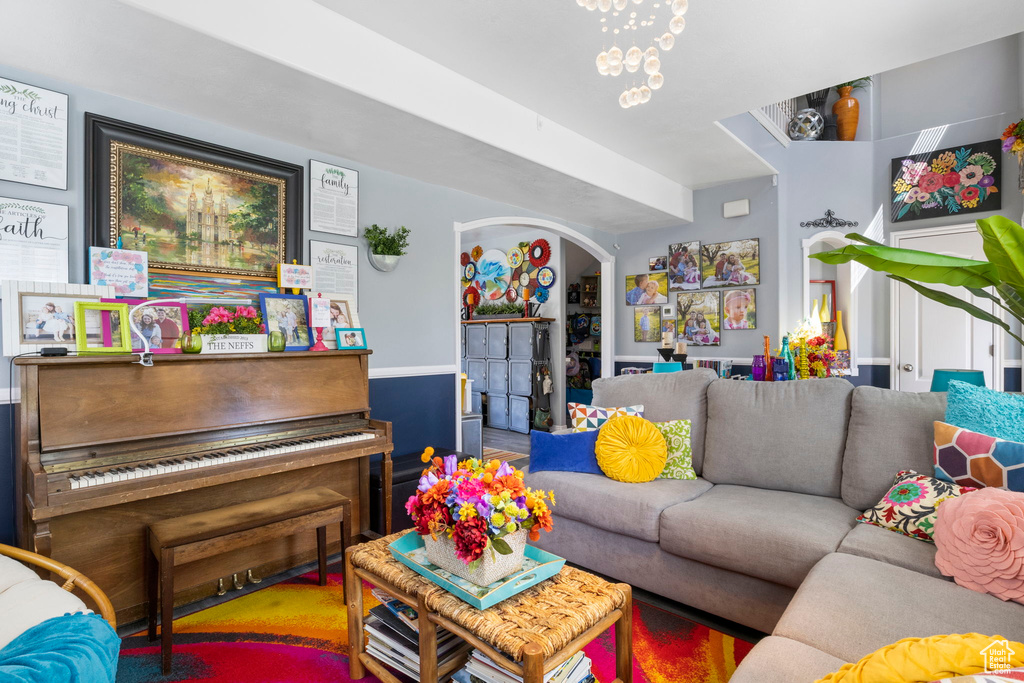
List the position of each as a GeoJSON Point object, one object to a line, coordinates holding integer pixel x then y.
{"type": "Point", "coordinates": [709, 226]}
{"type": "Point", "coordinates": [408, 314]}
{"type": "Point", "coordinates": [959, 86]}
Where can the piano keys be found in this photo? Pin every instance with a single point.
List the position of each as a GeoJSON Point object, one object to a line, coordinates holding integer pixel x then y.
{"type": "Point", "coordinates": [107, 446]}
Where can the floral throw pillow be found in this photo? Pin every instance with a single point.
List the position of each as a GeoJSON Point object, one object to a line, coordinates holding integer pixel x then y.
{"type": "Point", "coordinates": [679, 464]}
{"type": "Point", "coordinates": [585, 418]}
{"type": "Point", "coordinates": [911, 505]}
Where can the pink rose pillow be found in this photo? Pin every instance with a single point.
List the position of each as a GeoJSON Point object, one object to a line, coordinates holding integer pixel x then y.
{"type": "Point", "coordinates": [979, 540]}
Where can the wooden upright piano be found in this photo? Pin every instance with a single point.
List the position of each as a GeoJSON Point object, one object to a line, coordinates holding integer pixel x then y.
{"type": "Point", "coordinates": [107, 446]}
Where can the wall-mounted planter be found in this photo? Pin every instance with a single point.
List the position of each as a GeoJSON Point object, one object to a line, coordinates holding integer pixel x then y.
{"type": "Point", "coordinates": [385, 263]}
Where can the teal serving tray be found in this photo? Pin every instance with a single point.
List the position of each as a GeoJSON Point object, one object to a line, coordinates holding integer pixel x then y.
{"type": "Point", "coordinates": [538, 566]}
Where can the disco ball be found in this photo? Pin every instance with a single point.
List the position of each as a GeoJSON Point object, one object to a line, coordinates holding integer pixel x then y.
{"type": "Point", "coordinates": [807, 124]}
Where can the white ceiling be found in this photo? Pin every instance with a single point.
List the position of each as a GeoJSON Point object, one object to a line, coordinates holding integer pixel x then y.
{"type": "Point", "coordinates": [500, 99]}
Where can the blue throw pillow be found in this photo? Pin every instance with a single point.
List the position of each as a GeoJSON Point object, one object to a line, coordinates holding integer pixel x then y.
{"type": "Point", "coordinates": [983, 410]}
{"type": "Point", "coordinates": [572, 452]}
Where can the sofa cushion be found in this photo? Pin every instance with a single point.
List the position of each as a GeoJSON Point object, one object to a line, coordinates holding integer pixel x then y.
{"type": "Point", "coordinates": [668, 396]}
{"type": "Point", "coordinates": [630, 509]}
{"type": "Point", "coordinates": [972, 459]}
{"type": "Point", "coordinates": [850, 606]}
{"type": "Point", "coordinates": [28, 600]}
{"type": "Point", "coordinates": [781, 660]}
{"type": "Point", "coordinates": [585, 418]}
{"type": "Point", "coordinates": [888, 546]}
{"type": "Point", "coordinates": [773, 535]}
{"type": "Point", "coordinates": [889, 431]}
{"type": "Point", "coordinates": [568, 452]}
{"type": "Point", "coordinates": [787, 436]}
{"type": "Point", "coordinates": [911, 505]}
{"type": "Point", "coordinates": [679, 464]}
{"type": "Point", "coordinates": [985, 410]}
{"type": "Point", "coordinates": [631, 449]}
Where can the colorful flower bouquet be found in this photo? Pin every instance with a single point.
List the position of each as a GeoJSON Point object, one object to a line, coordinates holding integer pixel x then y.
{"type": "Point", "coordinates": [474, 505]}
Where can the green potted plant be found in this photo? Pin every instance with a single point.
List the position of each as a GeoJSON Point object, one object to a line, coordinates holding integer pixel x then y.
{"type": "Point", "coordinates": [386, 246]}
{"type": "Point", "coordinates": [1003, 272]}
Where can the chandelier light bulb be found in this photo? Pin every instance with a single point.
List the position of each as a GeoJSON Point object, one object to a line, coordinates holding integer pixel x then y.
{"type": "Point", "coordinates": [645, 94]}
{"type": "Point", "coordinates": [651, 53]}
{"type": "Point", "coordinates": [624, 99]}
{"type": "Point", "coordinates": [604, 5]}
{"type": "Point", "coordinates": [581, 3]}
{"type": "Point", "coordinates": [602, 62]}
{"type": "Point", "coordinates": [634, 97]}
{"type": "Point", "coordinates": [633, 56]}
{"type": "Point", "coordinates": [617, 4]}
{"type": "Point", "coordinates": [679, 7]}
{"type": "Point", "coordinates": [652, 66]}
{"type": "Point", "coordinates": [656, 81]}
{"type": "Point", "coordinates": [667, 41]}
{"type": "Point", "coordinates": [677, 25]}
{"type": "Point", "coordinates": [591, 5]}
{"type": "Point", "coordinates": [615, 69]}
{"type": "Point", "coordinates": [614, 56]}
{"type": "Point", "coordinates": [631, 68]}
{"type": "Point", "coordinates": [637, 2]}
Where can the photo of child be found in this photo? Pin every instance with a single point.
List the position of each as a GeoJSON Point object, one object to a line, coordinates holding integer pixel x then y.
{"type": "Point", "coordinates": [48, 318]}
{"type": "Point", "coordinates": [343, 315]}
{"type": "Point", "coordinates": [731, 264]}
{"type": "Point", "coordinates": [350, 338]}
{"type": "Point", "coordinates": [740, 313]}
{"type": "Point", "coordinates": [647, 324]}
{"type": "Point", "coordinates": [658, 263]}
{"type": "Point", "coordinates": [697, 318]}
{"type": "Point", "coordinates": [646, 289]}
{"type": "Point", "coordinates": [684, 266]}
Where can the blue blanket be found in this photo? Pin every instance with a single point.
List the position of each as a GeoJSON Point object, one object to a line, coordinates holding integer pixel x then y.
{"type": "Point", "coordinates": [76, 648]}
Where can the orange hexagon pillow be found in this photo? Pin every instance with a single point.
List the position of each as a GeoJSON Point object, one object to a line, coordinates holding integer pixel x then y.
{"type": "Point", "coordinates": [631, 449]}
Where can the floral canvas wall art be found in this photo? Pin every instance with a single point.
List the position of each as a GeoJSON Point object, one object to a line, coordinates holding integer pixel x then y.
{"type": "Point", "coordinates": [963, 179]}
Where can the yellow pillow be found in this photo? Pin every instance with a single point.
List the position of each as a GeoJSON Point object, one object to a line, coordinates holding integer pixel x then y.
{"type": "Point", "coordinates": [631, 449]}
{"type": "Point", "coordinates": [919, 660]}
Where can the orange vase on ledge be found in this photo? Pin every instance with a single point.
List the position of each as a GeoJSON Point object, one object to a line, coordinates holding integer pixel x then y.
{"type": "Point", "coordinates": [847, 111]}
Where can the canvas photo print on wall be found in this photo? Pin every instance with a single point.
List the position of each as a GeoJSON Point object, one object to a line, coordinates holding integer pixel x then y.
{"type": "Point", "coordinates": [684, 266]}
{"type": "Point", "coordinates": [731, 264]}
{"type": "Point", "coordinates": [955, 180]}
{"type": "Point", "coordinates": [647, 323]}
{"type": "Point", "coordinates": [698, 320]}
{"type": "Point", "coordinates": [738, 310]}
{"type": "Point", "coordinates": [647, 288]}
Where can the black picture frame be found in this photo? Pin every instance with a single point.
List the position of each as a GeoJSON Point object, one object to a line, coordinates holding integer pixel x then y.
{"type": "Point", "coordinates": [101, 132]}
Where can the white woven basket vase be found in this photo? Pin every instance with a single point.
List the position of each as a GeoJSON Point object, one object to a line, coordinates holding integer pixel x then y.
{"type": "Point", "coordinates": [493, 565]}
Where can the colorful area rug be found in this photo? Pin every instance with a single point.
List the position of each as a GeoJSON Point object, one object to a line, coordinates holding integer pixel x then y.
{"type": "Point", "coordinates": [294, 631]}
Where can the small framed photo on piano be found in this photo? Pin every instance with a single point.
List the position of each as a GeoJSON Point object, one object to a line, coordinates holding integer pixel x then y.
{"type": "Point", "coordinates": [288, 314]}
{"type": "Point", "coordinates": [115, 337]}
{"type": "Point", "coordinates": [163, 324]}
{"type": "Point", "coordinates": [350, 338]}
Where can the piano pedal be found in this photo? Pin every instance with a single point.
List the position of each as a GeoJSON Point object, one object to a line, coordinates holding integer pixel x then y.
{"type": "Point", "coordinates": [251, 577]}
{"type": "Point", "coordinates": [239, 584]}
{"type": "Point", "coordinates": [221, 590]}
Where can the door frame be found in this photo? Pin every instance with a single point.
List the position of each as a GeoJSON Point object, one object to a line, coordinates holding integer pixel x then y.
{"type": "Point", "coordinates": [606, 258]}
{"type": "Point", "coordinates": [897, 236]}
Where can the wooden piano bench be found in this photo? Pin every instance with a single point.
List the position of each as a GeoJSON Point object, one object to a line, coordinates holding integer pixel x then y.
{"type": "Point", "coordinates": [181, 540]}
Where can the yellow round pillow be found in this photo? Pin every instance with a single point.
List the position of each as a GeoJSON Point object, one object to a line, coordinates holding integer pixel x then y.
{"type": "Point", "coordinates": [921, 660]}
{"type": "Point", "coordinates": [630, 449]}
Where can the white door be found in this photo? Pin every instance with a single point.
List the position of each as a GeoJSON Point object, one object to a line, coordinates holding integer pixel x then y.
{"type": "Point", "coordinates": [929, 335]}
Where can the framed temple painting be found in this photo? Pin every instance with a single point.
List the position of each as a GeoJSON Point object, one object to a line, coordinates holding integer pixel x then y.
{"type": "Point", "coordinates": [197, 209]}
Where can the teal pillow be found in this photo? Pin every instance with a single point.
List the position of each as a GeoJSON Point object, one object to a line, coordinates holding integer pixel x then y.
{"type": "Point", "coordinates": [983, 410]}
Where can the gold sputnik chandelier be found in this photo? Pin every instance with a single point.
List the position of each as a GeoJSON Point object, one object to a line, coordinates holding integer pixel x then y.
{"type": "Point", "coordinates": [628, 23]}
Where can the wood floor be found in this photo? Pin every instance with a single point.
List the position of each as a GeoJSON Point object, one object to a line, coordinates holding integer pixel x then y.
{"type": "Point", "coordinates": [507, 441]}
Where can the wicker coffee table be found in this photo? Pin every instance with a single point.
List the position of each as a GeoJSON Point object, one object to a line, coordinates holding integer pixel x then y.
{"type": "Point", "coordinates": [529, 634]}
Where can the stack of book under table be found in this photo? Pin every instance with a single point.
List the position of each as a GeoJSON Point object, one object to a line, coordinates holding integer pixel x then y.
{"type": "Point", "coordinates": [393, 632]}
{"type": "Point", "coordinates": [480, 669]}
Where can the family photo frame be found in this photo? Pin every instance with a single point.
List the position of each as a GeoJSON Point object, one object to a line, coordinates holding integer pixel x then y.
{"type": "Point", "coordinates": [289, 314]}
{"type": "Point", "coordinates": [38, 314]}
{"type": "Point", "coordinates": [350, 339]}
{"type": "Point", "coordinates": [162, 325]}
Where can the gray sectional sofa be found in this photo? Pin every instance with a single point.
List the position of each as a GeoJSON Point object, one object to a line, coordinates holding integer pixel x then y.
{"type": "Point", "coordinates": [766, 536]}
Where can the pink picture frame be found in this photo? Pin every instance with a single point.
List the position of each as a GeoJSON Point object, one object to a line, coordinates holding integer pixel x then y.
{"type": "Point", "coordinates": [175, 313]}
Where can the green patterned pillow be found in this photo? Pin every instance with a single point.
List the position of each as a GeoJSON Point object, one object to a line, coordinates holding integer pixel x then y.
{"type": "Point", "coordinates": [680, 456]}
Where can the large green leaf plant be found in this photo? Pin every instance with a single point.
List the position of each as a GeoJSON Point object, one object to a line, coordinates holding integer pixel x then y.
{"type": "Point", "coordinates": [1000, 279]}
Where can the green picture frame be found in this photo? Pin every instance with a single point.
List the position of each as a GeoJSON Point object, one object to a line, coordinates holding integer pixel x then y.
{"type": "Point", "coordinates": [116, 333]}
